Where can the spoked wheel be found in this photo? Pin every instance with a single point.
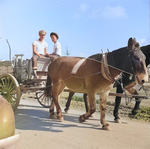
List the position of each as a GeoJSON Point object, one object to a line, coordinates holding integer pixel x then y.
{"type": "Point", "coordinates": [10, 90]}
{"type": "Point", "coordinates": [42, 99]}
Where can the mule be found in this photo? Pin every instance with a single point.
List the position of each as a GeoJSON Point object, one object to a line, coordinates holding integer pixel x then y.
{"type": "Point", "coordinates": [91, 79]}
{"type": "Point", "coordinates": [125, 81]}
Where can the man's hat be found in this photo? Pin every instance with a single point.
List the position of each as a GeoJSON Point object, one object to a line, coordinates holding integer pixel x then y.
{"type": "Point", "coordinates": [42, 32]}
{"type": "Point", "coordinates": [53, 33]}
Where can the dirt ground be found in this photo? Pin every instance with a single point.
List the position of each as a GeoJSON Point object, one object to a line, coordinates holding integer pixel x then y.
{"type": "Point", "coordinates": [38, 131]}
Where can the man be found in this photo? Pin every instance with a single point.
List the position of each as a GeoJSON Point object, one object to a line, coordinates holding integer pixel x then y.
{"type": "Point", "coordinates": [57, 46]}
{"type": "Point", "coordinates": [39, 49]}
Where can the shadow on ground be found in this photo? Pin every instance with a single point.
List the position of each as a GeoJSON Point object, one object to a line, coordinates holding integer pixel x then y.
{"type": "Point", "coordinates": [36, 118]}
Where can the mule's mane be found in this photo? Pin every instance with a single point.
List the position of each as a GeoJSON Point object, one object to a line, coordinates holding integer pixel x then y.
{"type": "Point", "coordinates": [146, 52]}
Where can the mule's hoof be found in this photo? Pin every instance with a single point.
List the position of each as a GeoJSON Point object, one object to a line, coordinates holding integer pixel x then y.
{"type": "Point", "coordinates": [134, 112]}
{"type": "Point", "coordinates": [66, 110]}
{"type": "Point", "coordinates": [117, 121]}
{"type": "Point", "coordinates": [52, 116]}
{"type": "Point", "coordinates": [61, 118]}
{"type": "Point", "coordinates": [81, 119]}
{"type": "Point", "coordinates": [106, 128]}
{"type": "Point", "coordinates": [92, 115]}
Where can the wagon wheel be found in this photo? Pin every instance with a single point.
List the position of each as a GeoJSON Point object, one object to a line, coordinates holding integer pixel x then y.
{"type": "Point", "coordinates": [10, 90]}
{"type": "Point", "coordinates": [42, 99]}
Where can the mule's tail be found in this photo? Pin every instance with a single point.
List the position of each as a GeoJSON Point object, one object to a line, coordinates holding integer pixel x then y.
{"type": "Point", "coordinates": [47, 90]}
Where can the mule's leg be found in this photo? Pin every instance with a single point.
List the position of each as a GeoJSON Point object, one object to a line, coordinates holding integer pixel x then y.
{"type": "Point", "coordinates": [117, 103]}
{"type": "Point", "coordinates": [136, 107]}
{"type": "Point", "coordinates": [69, 101]}
{"type": "Point", "coordinates": [85, 101]}
{"type": "Point", "coordinates": [92, 107]}
{"type": "Point", "coordinates": [103, 99]}
{"type": "Point", "coordinates": [56, 90]}
{"type": "Point", "coordinates": [137, 103]}
{"type": "Point", "coordinates": [51, 109]}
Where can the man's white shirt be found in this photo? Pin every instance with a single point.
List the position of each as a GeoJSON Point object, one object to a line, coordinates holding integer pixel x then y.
{"type": "Point", "coordinates": [57, 48]}
{"type": "Point", "coordinates": [40, 46]}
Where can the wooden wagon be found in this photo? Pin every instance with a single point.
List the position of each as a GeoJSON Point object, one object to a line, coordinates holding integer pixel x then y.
{"type": "Point", "coordinates": [21, 80]}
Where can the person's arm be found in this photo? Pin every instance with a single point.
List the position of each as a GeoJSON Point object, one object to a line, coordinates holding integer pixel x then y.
{"type": "Point", "coordinates": [45, 51]}
{"type": "Point", "coordinates": [34, 51]}
{"type": "Point", "coordinates": [57, 48]}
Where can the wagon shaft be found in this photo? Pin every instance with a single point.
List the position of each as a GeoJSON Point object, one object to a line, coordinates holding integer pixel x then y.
{"type": "Point", "coordinates": [117, 94]}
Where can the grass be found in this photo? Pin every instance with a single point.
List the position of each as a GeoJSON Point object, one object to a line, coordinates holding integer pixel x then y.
{"type": "Point", "coordinates": [5, 63]}
{"type": "Point", "coordinates": [143, 114]}
{"type": "Point", "coordinates": [78, 98]}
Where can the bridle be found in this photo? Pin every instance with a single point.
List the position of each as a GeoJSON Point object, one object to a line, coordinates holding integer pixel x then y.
{"type": "Point", "coordinates": [131, 63]}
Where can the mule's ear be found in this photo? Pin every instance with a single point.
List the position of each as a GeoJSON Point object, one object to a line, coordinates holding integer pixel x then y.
{"type": "Point", "coordinates": [135, 43]}
{"type": "Point", "coordinates": [130, 44]}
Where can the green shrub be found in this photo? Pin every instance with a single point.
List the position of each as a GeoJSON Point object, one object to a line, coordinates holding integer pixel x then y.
{"type": "Point", "coordinates": [5, 63]}
{"type": "Point", "coordinates": [97, 102]}
{"type": "Point", "coordinates": [78, 98]}
{"type": "Point", "coordinates": [143, 114]}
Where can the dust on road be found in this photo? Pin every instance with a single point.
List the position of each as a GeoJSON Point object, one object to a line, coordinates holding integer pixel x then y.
{"type": "Point", "coordinates": [39, 132]}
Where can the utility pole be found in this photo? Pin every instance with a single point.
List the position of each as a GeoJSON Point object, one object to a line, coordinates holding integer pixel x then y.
{"type": "Point", "coordinates": [9, 50]}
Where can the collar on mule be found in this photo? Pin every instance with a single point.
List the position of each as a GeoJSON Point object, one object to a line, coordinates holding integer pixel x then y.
{"type": "Point", "coordinates": [105, 69]}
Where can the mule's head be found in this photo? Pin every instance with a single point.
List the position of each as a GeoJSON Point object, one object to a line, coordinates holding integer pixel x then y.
{"type": "Point", "coordinates": [137, 61]}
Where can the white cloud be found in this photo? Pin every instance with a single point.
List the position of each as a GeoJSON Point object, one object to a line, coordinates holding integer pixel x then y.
{"type": "Point", "coordinates": [109, 12]}
{"type": "Point", "coordinates": [83, 7]}
{"type": "Point", "coordinates": [114, 12]}
{"type": "Point", "coordinates": [142, 41]}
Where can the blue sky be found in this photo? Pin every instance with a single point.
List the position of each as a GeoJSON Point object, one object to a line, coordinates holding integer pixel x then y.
{"type": "Point", "coordinates": [84, 26]}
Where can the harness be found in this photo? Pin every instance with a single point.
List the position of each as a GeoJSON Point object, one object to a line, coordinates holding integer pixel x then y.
{"type": "Point", "coordinates": [105, 69]}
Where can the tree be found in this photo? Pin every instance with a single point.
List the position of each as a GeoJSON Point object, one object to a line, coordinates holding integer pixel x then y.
{"type": "Point", "coordinates": [67, 52]}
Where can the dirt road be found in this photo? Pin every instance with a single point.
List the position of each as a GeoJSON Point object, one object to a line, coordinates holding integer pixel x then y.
{"type": "Point", "coordinates": [40, 132]}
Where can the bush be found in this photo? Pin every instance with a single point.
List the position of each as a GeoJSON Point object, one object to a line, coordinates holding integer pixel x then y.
{"type": "Point", "coordinates": [143, 114]}
{"type": "Point", "coordinates": [97, 102]}
{"type": "Point", "coordinates": [78, 98]}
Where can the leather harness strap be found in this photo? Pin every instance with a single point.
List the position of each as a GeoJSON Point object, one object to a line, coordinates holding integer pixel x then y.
{"type": "Point", "coordinates": [105, 69]}
{"type": "Point", "coordinates": [77, 66]}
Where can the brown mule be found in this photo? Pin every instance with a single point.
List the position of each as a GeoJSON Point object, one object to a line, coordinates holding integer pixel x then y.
{"type": "Point", "coordinates": [90, 79]}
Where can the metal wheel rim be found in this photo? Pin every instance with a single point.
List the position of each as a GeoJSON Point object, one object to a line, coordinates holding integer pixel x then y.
{"type": "Point", "coordinates": [42, 99]}
{"type": "Point", "coordinates": [10, 90]}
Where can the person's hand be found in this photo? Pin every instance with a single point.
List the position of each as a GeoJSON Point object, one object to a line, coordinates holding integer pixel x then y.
{"type": "Point", "coordinates": [47, 55]}
{"type": "Point", "coordinates": [42, 56]}
{"type": "Point", "coordinates": [53, 53]}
